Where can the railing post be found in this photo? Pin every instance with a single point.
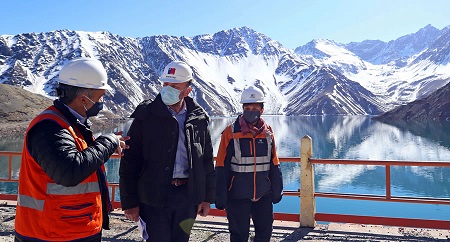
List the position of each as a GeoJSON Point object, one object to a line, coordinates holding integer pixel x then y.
{"type": "Point", "coordinates": [307, 202]}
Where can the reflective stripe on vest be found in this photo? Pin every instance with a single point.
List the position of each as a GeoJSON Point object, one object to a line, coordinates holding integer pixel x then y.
{"type": "Point", "coordinates": [30, 202]}
{"type": "Point", "coordinates": [247, 164]}
{"type": "Point", "coordinates": [55, 189]}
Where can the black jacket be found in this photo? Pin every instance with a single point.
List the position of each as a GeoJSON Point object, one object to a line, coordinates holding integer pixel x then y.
{"type": "Point", "coordinates": [146, 169]}
{"type": "Point", "coordinates": [54, 149]}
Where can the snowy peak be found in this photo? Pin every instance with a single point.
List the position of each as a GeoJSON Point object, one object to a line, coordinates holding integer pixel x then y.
{"type": "Point", "coordinates": [400, 71]}
{"type": "Point", "coordinates": [438, 52]}
{"type": "Point", "coordinates": [321, 78]}
{"type": "Point", "coordinates": [237, 41]}
{"type": "Point", "coordinates": [329, 53]}
{"type": "Point", "coordinates": [33, 61]}
{"type": "Point", "coordinates": [326, 92]}
{"type": "Point", "coordinates": [396, 51]}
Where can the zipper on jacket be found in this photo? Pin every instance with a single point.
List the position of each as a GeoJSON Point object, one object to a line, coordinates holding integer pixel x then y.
{"type": "Point", "coordinates": [188, 143]}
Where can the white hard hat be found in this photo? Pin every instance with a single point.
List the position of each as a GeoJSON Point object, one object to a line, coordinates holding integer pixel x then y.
{"type": "Point", "coordinates": [84, 72]}
{"type": "Point", "coordinates": [177, 72]}
{"type": "Point", "coordinates": [252, 94]}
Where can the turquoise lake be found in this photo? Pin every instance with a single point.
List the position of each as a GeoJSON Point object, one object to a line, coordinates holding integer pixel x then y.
{"type": "Point", "coordinates": [342, 137]}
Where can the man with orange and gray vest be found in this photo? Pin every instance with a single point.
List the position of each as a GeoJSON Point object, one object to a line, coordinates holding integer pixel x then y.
{"type": "Point", "coordinates": [248, 175]}
{"type": "Point", "coordinates": [63, 193]}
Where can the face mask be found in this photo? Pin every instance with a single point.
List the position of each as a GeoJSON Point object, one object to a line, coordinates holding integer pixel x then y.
{"type": "Point", "coordinates": [95, 109]}
{"type": "Point", "coordinates": [170, 95]}
{"type": "Point", "coordinates": [251, 116]}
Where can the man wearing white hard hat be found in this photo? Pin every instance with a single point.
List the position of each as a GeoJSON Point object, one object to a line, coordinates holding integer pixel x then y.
{"type": "Point", "coordinates": [249, 178]}
{"type": "Point", "coordinates": [63, 193]}
{"type": "Point", "coordinates": [167, 176]}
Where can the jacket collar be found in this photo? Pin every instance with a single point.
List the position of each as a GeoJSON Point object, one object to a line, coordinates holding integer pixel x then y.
{"type": "Point", "coordinates": [158, 108]}
{"type": "Point", "coordinates": [83, 129]}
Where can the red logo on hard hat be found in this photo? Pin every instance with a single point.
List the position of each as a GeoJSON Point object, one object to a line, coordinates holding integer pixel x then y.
{"type": "Point", "coordinates": [171, 71]}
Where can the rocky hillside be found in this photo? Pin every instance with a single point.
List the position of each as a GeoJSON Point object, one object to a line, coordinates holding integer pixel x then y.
{"type": "Point", "coordinates": [20, 106]}
{"type": "Point", "coordinates": [434, 107]}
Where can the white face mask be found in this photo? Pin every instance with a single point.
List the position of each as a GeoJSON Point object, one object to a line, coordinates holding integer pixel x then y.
{"type": "Point", "coordinates": [170, 95]}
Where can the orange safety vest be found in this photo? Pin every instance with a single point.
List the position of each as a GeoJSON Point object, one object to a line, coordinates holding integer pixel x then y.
{"type": "Point", "coordinates": [52, 212]}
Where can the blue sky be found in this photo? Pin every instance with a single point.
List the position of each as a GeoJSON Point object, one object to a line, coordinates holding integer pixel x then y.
{"type": "Point", "coordinates": [293, 23]}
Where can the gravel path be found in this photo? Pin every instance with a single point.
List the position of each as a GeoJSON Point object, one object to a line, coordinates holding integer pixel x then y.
{"type": "Point", "coordinates": [215, 229]}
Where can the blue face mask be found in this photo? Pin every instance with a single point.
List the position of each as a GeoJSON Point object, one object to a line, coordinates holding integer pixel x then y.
{"type": "Point", "coordinates": [170, 95]}
{"type": "Point", "coordinates": [95, 109]}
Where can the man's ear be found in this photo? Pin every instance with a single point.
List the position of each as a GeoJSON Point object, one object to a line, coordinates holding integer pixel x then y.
{"type": "Point", "coordinates": [188, 90]}
{"type": "Point", "coordinates": [82, 99]}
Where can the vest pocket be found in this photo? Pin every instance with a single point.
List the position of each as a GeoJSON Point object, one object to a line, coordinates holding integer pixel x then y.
{"type": "Point", "coordinates": [76, 216]}
{"type": "Point", "coordinates": [77, 206]}
{"type": "Point", "coordinates": [82, 217]}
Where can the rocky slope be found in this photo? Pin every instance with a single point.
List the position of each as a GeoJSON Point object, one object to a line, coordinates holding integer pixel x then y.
{"type": "Point", "coordinates": [434, 107]}
{"type": "Point", "coordinates": [20, 106]}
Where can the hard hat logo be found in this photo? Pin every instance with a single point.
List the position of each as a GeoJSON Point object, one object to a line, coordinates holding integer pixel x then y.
{"type": "Point", "coordinates": [252, 94]}
{"type": "Point", "coordinates": [171, 71]}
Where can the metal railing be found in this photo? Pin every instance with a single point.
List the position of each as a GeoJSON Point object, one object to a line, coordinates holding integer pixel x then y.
{"type": "Point", "coordinates": [308, 216]}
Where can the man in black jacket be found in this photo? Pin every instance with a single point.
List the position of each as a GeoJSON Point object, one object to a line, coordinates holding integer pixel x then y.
{"type": "Point", "coordinates": [63, 193]}
{"type": "Point", "coordinates": [167, 176]}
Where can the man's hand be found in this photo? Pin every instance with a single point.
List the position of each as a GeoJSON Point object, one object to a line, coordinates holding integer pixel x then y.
{"type": "Point", "coordinates": [122, 145]}
{"type": "Point", "coordinates": [203, 209]}
{"type": "Point", "coordinates": [132, 214]}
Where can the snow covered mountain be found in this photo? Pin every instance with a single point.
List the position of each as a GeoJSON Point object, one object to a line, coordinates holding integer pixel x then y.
{"type": "Point", "coordinates": [434, 107]}
{"type": "Point", "coordinates": [400, 71]}
{"type": "Point", "coordinates": [395, 51]}
{"type": "Point", "coordinates": [322, 77]}
{"type": "Point", "coordinates": [34, 60]}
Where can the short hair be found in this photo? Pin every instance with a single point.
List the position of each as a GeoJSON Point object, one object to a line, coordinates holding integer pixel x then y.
{"type": "Point", "coordinates": [67, 93]}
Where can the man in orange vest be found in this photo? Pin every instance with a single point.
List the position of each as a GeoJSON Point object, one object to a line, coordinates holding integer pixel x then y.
{"type": "Point", "coordinates": [63, 194]}
{"type": "Point", "coordinates": [249, 178]}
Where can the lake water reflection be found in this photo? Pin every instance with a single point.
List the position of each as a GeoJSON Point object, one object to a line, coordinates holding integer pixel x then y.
{"type": "Point", "coordinates": [350, 137]}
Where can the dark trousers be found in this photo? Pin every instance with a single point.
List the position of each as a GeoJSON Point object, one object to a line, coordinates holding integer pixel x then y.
{"type": "Point", "coordinates": [239, 212]}
{"type": "Point", "coordinates": [174, 221]}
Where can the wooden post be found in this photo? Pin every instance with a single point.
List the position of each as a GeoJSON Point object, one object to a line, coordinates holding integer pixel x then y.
{"type": "Point", "coordinates": [307, 201]}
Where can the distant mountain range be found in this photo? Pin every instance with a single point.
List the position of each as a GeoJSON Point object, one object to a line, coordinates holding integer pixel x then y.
{"type": "Point", "coordinates": [320, 78]}
{"type": "Point", "coordinates": [436, 106]}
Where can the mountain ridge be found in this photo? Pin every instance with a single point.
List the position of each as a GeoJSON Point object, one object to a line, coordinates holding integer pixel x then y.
{"type": "Point", "coordinates": [223, 63]}
{"type": "Point", "coordinates": [435, 107]}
